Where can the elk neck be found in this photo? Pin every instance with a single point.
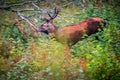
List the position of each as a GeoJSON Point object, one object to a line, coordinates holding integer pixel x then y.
{"type": "Point", "coordinates": [54, 31]}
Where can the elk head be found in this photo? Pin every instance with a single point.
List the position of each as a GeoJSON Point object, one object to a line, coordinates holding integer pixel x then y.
{"type": "Point", "coordinates": [48, 27]}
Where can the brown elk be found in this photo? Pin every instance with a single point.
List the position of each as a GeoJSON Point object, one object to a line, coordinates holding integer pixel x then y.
{"type": "Point", "coordinates": [70, 34]}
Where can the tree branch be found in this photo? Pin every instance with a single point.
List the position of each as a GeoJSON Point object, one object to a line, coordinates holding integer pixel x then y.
{"type": "Point", "coordinates": [24, 18]}
{"type": "Point", "coordinates": [13, 10]}
{"type": "Point", "coordinates": [21, 4]}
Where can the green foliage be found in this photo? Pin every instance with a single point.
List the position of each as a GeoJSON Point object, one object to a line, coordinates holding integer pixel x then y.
{"type": "Point", "coordinates": [13, 32]}
{"type": "Point", "coordinates": [47, 59]}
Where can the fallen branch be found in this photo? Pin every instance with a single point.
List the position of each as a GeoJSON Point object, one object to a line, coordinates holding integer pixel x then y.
{"type": "Point", "coordinates": [33, 30]}
{"type": "Point", "coordinates": [13, 10]}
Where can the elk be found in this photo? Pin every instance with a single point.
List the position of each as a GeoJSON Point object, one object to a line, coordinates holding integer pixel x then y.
{"type": "Point", "coordinates": [70, 34]}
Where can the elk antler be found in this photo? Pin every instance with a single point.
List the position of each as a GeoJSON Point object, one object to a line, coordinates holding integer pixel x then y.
{"type": "Point", "coordinates": [54, 14]}
{"type": "Point", "coordinates": [51, 17]}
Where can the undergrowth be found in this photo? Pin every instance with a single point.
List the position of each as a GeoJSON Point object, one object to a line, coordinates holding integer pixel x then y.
{"type": "Point", "coordinates": [46, 59]}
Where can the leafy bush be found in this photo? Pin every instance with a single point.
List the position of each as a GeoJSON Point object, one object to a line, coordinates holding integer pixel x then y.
{"type": "Point", "coordinates": [13, 32]}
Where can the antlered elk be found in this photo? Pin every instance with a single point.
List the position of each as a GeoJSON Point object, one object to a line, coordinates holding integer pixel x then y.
{"type": "Point", "coordinates": [70, 34]}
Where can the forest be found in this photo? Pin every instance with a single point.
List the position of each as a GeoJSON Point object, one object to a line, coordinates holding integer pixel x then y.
{"type": "Point", "coordinates": [28, 54]}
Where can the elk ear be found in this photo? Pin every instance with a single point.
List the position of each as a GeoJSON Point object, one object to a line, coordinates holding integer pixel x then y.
{"type": "Point", "coordinates": [45, 19]}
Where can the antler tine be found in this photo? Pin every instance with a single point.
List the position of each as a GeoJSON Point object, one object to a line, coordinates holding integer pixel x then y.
{"type": "Point", "coordinates": [54, 14]}
{"type": "Point", "coordinates": [50, 16]}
